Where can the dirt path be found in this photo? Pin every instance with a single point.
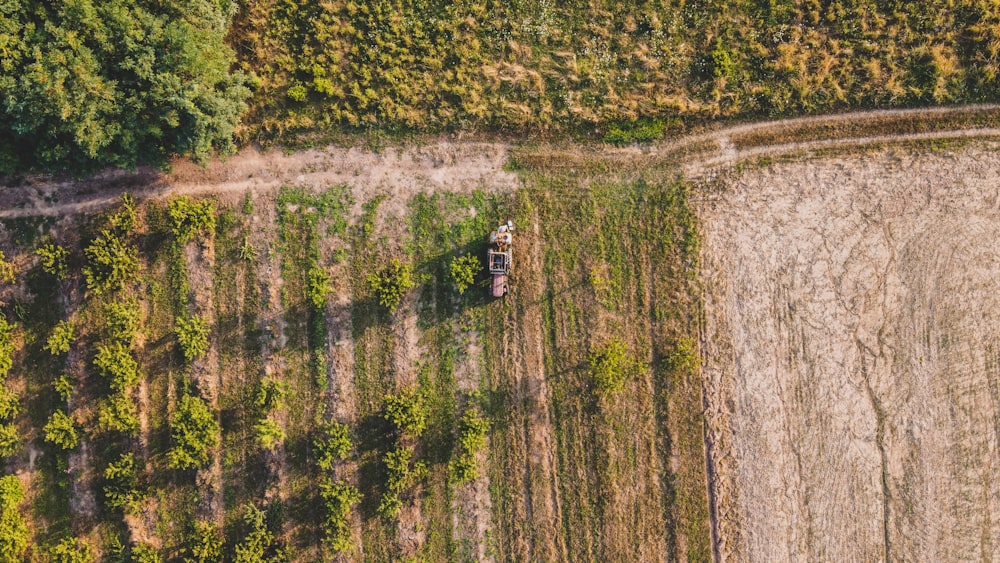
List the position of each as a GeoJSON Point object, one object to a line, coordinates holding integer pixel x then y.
{"type": "Point", "coordinates": [444, 165]}
{"type": "Point", "coordinates": [852, 337]}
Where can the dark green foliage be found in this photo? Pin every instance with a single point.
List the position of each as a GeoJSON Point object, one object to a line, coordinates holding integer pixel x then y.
{"type": "Point", "coordinates": [464, 270]}
{"type": "Point", "coordinates": [61, 338]}
{"type": "Point", "coordinates": [332, 445]}
{"type": "Point", "coordinates": [472, 429]}
{"type": "Point", "coordinates": [611, 365]}
{"type": "Point", "coordinates": [119, 413]}
{"type": "Point", "coordinates": [115, 362]}
{"type": "Point", "coordinates": [61, 431]}
{"type": "Point", "coordinates": [204, 544]}
{"type": "Point", "coordinates": [111, 263]}
{"type": "Point", "coordinates": [72, 550]}
{"type": "Point", "coordinates": [14, 533]}
{"type": "Point", "coordinates": [93, 83]}
{"type": "Point", "coordinates": [338, 498]}
{"type": "Point", "coordinates": [120, 484]}
{"type": "Point", "coordinates": [391, 283]}
{"type": "Point", "coordinates": [54, 260]}
{"type": "Point", "coordinates": [189, 219]}
{"type": "Point", "coordinates": [407, 411]}
{"type": "Point", "coordinates": [194, 432]}
{"type": "Point", "coordinates": [403, 474]}
{"type": "Point", "coordinates": [192, 335]}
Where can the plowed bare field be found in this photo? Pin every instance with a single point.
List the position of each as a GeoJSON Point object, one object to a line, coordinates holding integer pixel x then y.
{"type": "Point", "coordinates": [852, 357]}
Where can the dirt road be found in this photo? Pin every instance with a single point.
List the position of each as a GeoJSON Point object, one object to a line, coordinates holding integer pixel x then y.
{"type": "Point", "coordinates": [851, 345]}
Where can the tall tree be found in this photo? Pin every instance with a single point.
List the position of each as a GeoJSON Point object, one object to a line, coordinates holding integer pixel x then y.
{"type": "Point", "coordinates": [92, 83]}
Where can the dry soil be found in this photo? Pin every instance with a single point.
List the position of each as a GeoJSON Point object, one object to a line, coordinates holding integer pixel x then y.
{"type": "Point", "coordinates": [852, 357]}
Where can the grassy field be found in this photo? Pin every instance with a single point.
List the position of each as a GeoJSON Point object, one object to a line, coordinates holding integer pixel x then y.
{"type": "Point", "coordinates": [299, 343]}
{"type": "Point", "coordinates": [600, 69]}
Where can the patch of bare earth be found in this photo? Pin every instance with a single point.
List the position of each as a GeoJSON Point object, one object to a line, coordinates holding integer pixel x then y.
{"type": "Point", "coordinates": [536, 510]}
{"type": "Point", "coordinates": [340, 400]}
{"type": "Point", "coordinates": [206, 372]}
{"type": "Point", "coordinates": [471, 505]}
{"type": "Point", "coordinates": [852, 346]}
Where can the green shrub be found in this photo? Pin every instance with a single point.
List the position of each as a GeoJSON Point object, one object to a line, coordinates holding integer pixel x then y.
{"type": "Point", "coordinates": [10, 439]}
{"type": "Point", "coordinates": [61, 431]}
{"type": "Point", "coordinates": [54, 259]}
{"type": "Point", "coordinates": [122, 317]}
{"type": "Point", "coordinates": [271, 395]}
{"type": "Point", "coordinates": [332, 445]}
{"type": "Point", "coordinates": [123, 218]}
{"type": "Point", "coordinates": [115, 362]}
{"type": "Point", "coordinates": [7, 346]}
{"type": "Point", "coordinates": [120, 484]}
{"type": "Point", "coordinates": [118, 413]}
{"type": "Point", "coordinates": [320, 286]}
{"type": "Point", "coordinates": [61, 338]}
{"type": "Point", "coordinates": [402, 474]}
{"type": "Point", "coordinates": [258, 542]}
{"type": "Point", "coordinates": [10, 405]}
{"type": "Point", "coordinates": [641, 131]}
{"type": "Point", "coordinates": [189, 219]}
{"type": "Point", "coordinates": [192, 335]}
{"type": "Point", "coordinates": [391, 283]}
{"type": "Point", "coordinates": [472, 429]}
{"type": "Point", "coordinates": [145, 553]}
{"type": "Point", "coordinates": [464, 270]}
{"type": "Point", "coordinates": [6, 269]}
{"type": "Point", "coordinates": [247, 251]}
{"type": "Point", "coordinates": [111, 263]}
{"type": "Point", "coordinates": [63, 385]}
{"type": "Point", "coordinates": [611, 365]}
{"type": "Point", "coordinates": [194, 431]}
{"type": "Point", "coordinates": [684, 356]}
{"type": "Point", "coordinates": [269, 434]}
{"type": "Point", "coordinates": [14, 533]}
{"type": "Point", "coordinates": [338, 498]}
{"type": "Point", "coordinates": [407, 411]}
{"type": "Point", "coordinates": [72, 550]}
{"type": "Point", "coordinates": [204, 543]}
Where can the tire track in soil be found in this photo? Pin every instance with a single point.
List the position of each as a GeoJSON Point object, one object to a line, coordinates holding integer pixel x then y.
{"type": "Point", "coordinates": [522, 358]}
{"type": "Point", "coordinates": [82, 498]}
{"type": "Point", "coordinates": [273, 327]}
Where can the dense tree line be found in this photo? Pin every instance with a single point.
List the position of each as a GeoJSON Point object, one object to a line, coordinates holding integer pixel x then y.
{"type": "Point", "coordinates": [90, 83]}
